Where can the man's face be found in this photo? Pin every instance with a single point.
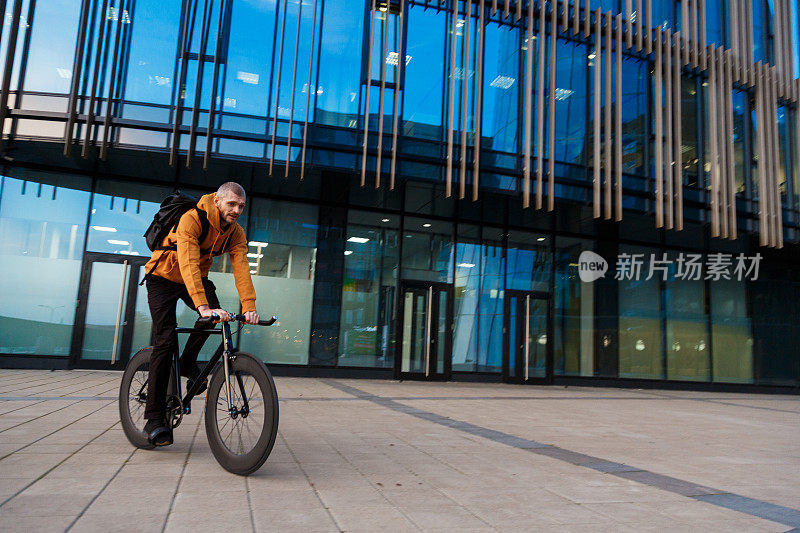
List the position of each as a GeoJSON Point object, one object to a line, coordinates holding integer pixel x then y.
{"type": "Point", "coordinates": [230, 207]}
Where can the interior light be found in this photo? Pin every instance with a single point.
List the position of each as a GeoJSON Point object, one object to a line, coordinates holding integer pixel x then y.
{"type": "Point", "coordinates": [639, 345]}
{"type": "Point", "coordinates": [385, 220]}
{"type": "Point", "coordinates": [348, 252]}
{"type": "Point", "coordinates": [256, 256]}
{"type": "Point", "coordinates": [426, 225]}
{"type": "Point", "coordinates": [253, 264]}
{"type": "Point", "coordinates": [258, 243]}
{"type": "Point", "coordinates": [252, 271]}
{"type": "Point", "coordinates": [359, 240]}
{"type": "Point", "coordinates": [104, 228]}
{"type": "Point", "coordinates": [120, 243]}
{"type": "Point", "coordinates": [465, 265]}
{"type": "Point", "coordinates": [540, 239]}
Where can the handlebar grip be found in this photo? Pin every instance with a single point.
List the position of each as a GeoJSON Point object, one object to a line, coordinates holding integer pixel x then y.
{"type": "Point", "coordinates": [206, 321]}
{"type": "Point", "coordinates": [268, 322]}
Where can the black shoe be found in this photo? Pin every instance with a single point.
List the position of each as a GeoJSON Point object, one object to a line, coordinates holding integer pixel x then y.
{"type": "Point", "coordinates": [192, 373]}
{"type": "Point", "coordinates": [158, 432]}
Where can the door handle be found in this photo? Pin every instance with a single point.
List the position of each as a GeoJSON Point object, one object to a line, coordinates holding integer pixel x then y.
{"type": "Point", "coordinates": [428, 332]}
{"type": "Point", "coordinates": [527, 332]}
{"type": "Point", "coordinates": [119, 311]}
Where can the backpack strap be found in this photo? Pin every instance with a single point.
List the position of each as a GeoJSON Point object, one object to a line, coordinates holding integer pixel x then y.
{"type": "Point", "coordinates": [204, 228]}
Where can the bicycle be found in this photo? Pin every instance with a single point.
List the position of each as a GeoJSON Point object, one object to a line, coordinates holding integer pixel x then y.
{"type": "Point", "coordinates": [241, 426]}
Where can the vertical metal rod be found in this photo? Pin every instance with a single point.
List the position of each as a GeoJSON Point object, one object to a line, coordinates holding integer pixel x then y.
{"type": "Point", "coordinates": [506, 8]}
{"type": "Point", "coordinates": [462, 176]}
{"type": "Point", "coordinates": [476, 158]}
{"type": "Point", "coordinates": [381, 97]}
{"type": "Point", "coordinates": [278, 89]}
{"type": "Point", "coordinates": [628, 25]}
{"type": "Point", "coordinates": [119, 311]}
{"type": "Point", "coordinates": [668, 93]}
{"type": "Point", "coordinates": [294, 90]}
{"type": "Point", "coordinates": [428, 331]}
{"type": "Point", "coordinates": [778, 207]}
{"type": "Point", "coordinates": [449, 171]}
{"type": "Point", "coordinates": [576, 18]}
{"type": "Point", "coordinates": [177, 114]}
{"type": "Point", "coordinates": [659, 135]}
{"type": "Point", "coordinates": [638, 25]}
{"type": "Point", "coordinates": [734, 27]}
{"type": "Point", "coordinates": [618, 124]}
{"type": "Point", "coordinates": [685, 31]}
{"type": "Point", "coordinates": [540, 43]}
{"type": "Point", "coordinates": [212, 106]}
{"type": "Point", "coordinates": [98, 55]}
{"type": "Point", "coordinates": [77, 65]}
{"type": "Point", "coordinates": [677, 172]}
{"type": "Point", "coordinates": [750, 52]}
{"type": "Point", "coordinates": [722, 150]}
{"type": "Point", "coordinates": [608, 137]}
{"type": "Point", "coordinates": [777, 34]}
{"type": "Point", "coordinates": [714, 167]}
{"type": "Point", "coordinates": [770, 143]}
{"type": "Point", "coordinates": [526, 161]}
{"type": "Point", "coordinates": [527, 333]}
{"type": "Point", "coordinates": [703, 34]}
{"type": "Point", "coordinates": [728, 60]}
{"type": "Point", "coordinates": [111, 87]}
{"type": "Point", "coordinates": [598, 55]}
{"type": "Point", "coordinates": [551, 108]}
{"type": "Point", "coordinates": [587, 17]}
{"type": "Point", "coordinates": [519, 8]}
{"type": "Point", "coordinates": [9, 65]}
{"type": "Point", "coordinates": [308, 91]}
{"type": "Point", "coordinates": [648, 31]}
{"type": "Point", "coordinates": [564, 13]}
{"type": "Point", "coordinates": [494, 7]}
{"type": "Point", "coordinates": [208, 7]}
{"type": "Point", "coordinates": [399, 76]}
{"type": "Point", "coordinates": [760, 161]}
{"type": "Point", "coordinates": [742, 44]}
{"type": "Point", "coordinates": [694, 36]}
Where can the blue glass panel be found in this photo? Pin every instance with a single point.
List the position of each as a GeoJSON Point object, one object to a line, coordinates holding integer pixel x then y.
{"type": "Point", "coordinates": [52, 46]}
{"type": "Point", "coordinates": [501, 88]}
{"type": "Point", "coordinates": [570, 95]}
{"type": "Point", "coordinates": [634, 114]}
{"type": "Point", "coordinates": [340, 64]}
{"type": "Point", "coordinates": [424, 89]}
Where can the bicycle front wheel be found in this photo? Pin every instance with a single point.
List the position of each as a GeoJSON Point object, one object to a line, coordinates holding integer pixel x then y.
{"type": "Point", "coordinates": [241, 432]}
{"type": "Point", "coordinates": [133, 398]}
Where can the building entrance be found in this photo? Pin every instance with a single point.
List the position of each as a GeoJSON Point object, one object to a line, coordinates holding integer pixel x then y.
{"type": "Point", "coordinates": [426, 326]}
{"type": "Point", "coordinates": [527, 344]}
{"type": "Point", "coordinates": [112, 317]}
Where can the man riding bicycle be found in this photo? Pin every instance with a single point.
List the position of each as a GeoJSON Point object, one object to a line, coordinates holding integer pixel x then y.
{"type": "Point", "coordinates": [179, 271]}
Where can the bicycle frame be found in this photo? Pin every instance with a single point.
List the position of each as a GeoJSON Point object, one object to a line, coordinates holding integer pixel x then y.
{"type": "Point", "coordinates": [225, 351]}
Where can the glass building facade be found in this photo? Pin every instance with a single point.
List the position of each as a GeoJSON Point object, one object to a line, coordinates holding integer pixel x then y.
{"type": "Point", "coordinates": [388, 150]}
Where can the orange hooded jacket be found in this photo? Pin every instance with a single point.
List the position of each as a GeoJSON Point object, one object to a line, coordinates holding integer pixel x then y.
{"type": "Point", "coordinates": [188, 266]}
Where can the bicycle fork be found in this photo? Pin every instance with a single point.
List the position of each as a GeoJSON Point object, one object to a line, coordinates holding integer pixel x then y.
{"type": "Point", "coordinates": [233, 410]}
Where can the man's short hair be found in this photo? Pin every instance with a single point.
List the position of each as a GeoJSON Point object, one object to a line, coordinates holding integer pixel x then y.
{"type": "Point", "coordinates": [230, 187]}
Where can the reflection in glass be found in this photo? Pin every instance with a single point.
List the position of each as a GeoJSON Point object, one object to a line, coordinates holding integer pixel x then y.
{"type": "Point", "coordinates": [366, 336]}
{"type": "Point", "coordinates": [640, 353]}
{"type": "Point", "coordinates": [689, 137]}
{"type": "Point", "coordinates": [101, 328]}
{"type": "Point", "coordinates": [687, 332]}
{"type": "Point", "coordinates": [529, 261]}
{"type": "Point", "coordinates": [423, 87]}
{"type": "Point", "coordinates": [574, 312]}
{"type": "Point", "coordinates": [570, 94]}
{"type": "Point", "coordinates": [731, 333]}
{"type": "Point", "coordinates": [42, 230]}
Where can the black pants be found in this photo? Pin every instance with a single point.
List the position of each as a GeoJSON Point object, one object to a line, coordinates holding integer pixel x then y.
{"type": "Point", "coordinates": [163, 296]}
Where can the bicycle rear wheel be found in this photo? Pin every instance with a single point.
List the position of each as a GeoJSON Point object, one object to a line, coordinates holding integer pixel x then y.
{"type": "Point", "coordinates": [242, 439]}
{"type": "Point", "coordinates": [133, 397]}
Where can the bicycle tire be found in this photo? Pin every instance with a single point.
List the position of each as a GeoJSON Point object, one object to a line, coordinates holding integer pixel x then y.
{"type": "Point", "coordinates": [245, 459]}
{"type": "Point", "coordinates": [133, 425]}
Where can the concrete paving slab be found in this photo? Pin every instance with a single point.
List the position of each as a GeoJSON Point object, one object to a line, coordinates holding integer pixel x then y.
{"type": "Point", "coordinates": [361, 455]}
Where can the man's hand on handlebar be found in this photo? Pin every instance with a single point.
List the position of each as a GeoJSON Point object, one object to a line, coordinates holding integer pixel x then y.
{"type": "Point", "coordinates": [251, 317]}
{"type": "Point", "coordinates": [206, 311]}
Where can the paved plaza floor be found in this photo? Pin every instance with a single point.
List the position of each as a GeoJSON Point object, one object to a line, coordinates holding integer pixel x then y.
{"type": "Point", "coordinates": [368, 455]}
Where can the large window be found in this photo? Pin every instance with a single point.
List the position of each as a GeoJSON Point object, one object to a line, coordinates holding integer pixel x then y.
{"type": "Point", "coordinates": [570, 94]}
{"type": "Point", "coordinates": [687, 326]}
{"type": "Point", "coordinates": [282, 243]}
{"type": "Point", "coordinates": [640, 351]}
{"type": "Point", "coordinates": [634, 114]}
{"type": "Point", "coordinates": [732, 338]}
{"type": "Point", "coordinates": [42, 228]}
{"type": "Point", "coordinates": [574, 312]}
{"type": "Point", "coordinates": [371, 253]}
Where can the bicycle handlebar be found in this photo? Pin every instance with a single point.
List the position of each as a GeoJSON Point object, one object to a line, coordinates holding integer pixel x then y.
{"type": "Point", "coordinates": [207, 321]}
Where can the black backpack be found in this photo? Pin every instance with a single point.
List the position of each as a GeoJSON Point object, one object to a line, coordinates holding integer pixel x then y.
{"type": "Point", "coordinates": [166, 219]}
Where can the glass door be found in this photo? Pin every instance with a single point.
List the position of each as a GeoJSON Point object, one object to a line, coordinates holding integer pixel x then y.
{"type": "Point", "coordinates": [426, 315]}
{"type": "Point", "coordinates": [112, 318]}
{"type": "Point", "coordinates": [527, 350]}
